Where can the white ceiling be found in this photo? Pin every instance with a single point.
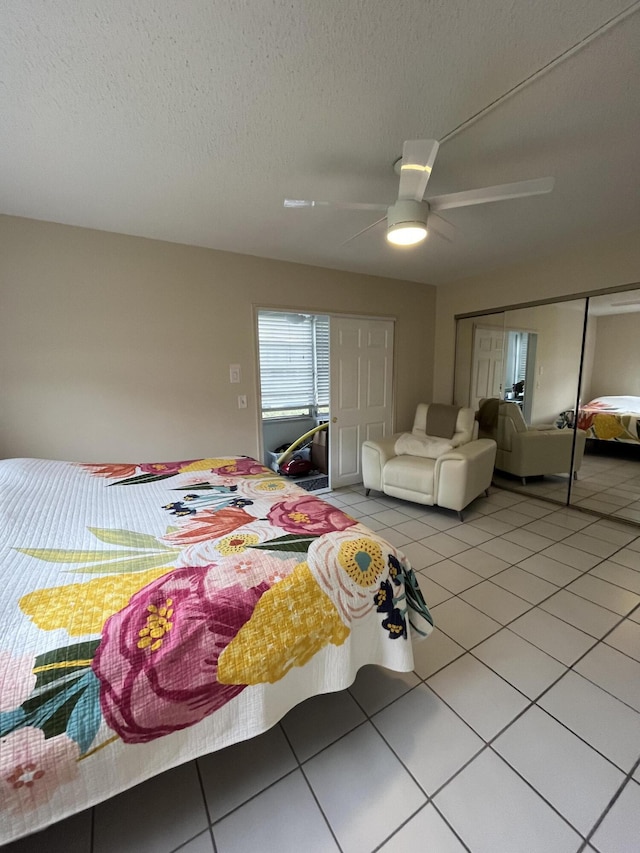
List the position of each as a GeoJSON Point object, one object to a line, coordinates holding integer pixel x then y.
{"type": "Point", "coordinates": [192, 121]}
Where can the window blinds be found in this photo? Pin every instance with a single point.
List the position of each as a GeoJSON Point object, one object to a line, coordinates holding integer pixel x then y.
{"type": "Point", "coordinates": [294, 361]}
{"type": "Point", "coordinates": [521, 368]}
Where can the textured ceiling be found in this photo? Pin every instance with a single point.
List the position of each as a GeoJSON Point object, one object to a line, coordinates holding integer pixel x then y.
{"type": "Point", "coordinates": [192, 121]}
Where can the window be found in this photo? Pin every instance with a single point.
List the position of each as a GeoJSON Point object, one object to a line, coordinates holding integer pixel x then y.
{"type": "Point", "coordinates": [294, 364]}
{"type": "Point", "coordinates": [516, 367]}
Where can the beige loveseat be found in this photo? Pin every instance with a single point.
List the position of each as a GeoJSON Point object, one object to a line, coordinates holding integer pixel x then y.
{"type": "Point", "coordinates": [427, 469]}
{"type": "Point", "coordinates": [533, 451]}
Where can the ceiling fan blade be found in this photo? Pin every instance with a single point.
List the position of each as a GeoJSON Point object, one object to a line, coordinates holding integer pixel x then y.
{"type": "Point", "coordinates": [336, 205]}
{"type": "Point", "coordinates": [415, 169]}
{"type": "Point", "coordinates": [441, 227]}
{"type": "Point", "coordinates": [501, 192]}
{"type": "Point", "coordinates": [368, 228]}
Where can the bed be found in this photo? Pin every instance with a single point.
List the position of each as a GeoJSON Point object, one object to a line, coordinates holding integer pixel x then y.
{"type": "Point", "coordinates": [611, 419]}
{"type": "Point", "coordinates": [152, 613]}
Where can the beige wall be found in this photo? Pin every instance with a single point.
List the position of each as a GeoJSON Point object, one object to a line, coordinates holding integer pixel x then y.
{"type": "Point", "coordinates": [118, 348]}
{"type": "Point", "coordinates": [589, 354]}
{"type": "Point", "coordinates": [616, 357]}
{"type": "Point", "coordinates": [611, 263]}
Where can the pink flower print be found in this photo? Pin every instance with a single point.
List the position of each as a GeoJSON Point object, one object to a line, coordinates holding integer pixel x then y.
{"type": "Point", "coordinates": [16, 680]}
{"type": "Point", "coordinates": [308, 515]}
{"type": "Point", "coordinates": [164, 467]}
{"type": "Point", "coordinates": [158, 658]}
{"type": "Point", "coordinates": [241, 467]}
{"type": "Point", "coordinates": [32, 768]}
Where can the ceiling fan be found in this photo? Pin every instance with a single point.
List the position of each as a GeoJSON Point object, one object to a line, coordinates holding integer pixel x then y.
{"type": "Point", "coordinates": [407, 218]}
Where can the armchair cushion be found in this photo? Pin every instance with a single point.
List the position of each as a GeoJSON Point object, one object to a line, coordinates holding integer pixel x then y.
{"type": "Point", "coordinates": [464, 429]}
{"type": "Point", "coordinates": [415, 445]}
{"type": "Point", "coordinates": [406, 475]}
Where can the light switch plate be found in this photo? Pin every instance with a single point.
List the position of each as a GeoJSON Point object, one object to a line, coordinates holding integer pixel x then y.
{"type": "Point", "coordinates": [234, 373]}
{"type": "Point", "coordinates": [242, 401]}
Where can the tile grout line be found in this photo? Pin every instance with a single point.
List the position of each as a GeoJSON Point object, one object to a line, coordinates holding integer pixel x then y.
{"type": "Point", "coordinates": [596, 640]}
{"type": "Point", "coordinates": [532, 702]}
{"type": "Point", "coordinates": [628, 778]}
{"type": "Point", "coordinates": [309, 786]}
{"type": "Point", "coordinates": [429, 802]}
{"type": "Point", "coordinates": [561, 587]}
{"type": "Point", "coordinates": [206, 806]}
{"type": "Point", "coordinates": [569, 668]}
{"type": "Point", "coordinates": [488, 744]}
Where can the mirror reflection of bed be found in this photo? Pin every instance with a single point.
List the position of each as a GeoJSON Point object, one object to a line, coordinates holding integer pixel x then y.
{"type": "Point", "coordinates": [614, 478]}
{"type": "Point", "coordinates": [610, 407]}
{"type": "Point", "coordinates": [604, 398]}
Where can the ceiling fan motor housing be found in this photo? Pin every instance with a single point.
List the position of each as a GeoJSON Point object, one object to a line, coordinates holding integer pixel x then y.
{"type": "Point", "coordinates": [408, 212]}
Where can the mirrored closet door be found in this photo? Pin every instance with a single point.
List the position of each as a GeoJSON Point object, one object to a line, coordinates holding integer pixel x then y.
{"type": "Point", "coordinates": [528, 361]}
{"type": "Point", "coordinates": [535, 435]}
{"type": "Point", "coordinates": [609, 413]}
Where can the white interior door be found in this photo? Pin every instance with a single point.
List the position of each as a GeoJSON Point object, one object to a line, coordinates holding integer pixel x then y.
{"type": "Point", "coordinates": [361, 392]}
{"type": "Point", "coordinates": [488, 364]}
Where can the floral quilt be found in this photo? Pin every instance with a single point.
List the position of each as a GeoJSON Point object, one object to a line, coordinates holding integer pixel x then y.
{"type": "Point", "coordinates": [611, 419]}
{"type": "Point", "coordinates": [152, 613]}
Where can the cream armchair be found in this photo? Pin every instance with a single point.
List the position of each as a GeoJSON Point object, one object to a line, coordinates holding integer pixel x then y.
{"type": "Point", "coordinates": [432, 470]}
{"type": "Point", "coordinates": [529, 451]}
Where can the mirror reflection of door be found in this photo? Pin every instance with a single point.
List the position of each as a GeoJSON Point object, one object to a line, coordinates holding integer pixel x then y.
{"type": "Point", "coordinates": [488, 364]}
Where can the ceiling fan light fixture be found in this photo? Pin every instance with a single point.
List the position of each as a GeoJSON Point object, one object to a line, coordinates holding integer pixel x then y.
{"type": "Point", "coordinates": [407, 234]}
{"type": "Point", "coordinates": [407, 222]}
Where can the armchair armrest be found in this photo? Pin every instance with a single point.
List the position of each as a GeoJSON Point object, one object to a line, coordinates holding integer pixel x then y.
{"type": "Point", "coordinates": [462, 474]}
{"type": "Point", "coordinates": [542, 451]}
{"type": "Point", "coordinates": [375, 455]}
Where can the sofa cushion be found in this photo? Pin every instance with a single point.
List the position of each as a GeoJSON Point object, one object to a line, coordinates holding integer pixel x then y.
{"type": "Point", "coordinates": [411, 473]}
{"type": "Point", "coordinates": [414, 445]}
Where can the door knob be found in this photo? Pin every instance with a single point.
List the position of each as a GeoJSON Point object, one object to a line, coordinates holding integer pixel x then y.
{"type": "Point", "coordinates": [334, 420]}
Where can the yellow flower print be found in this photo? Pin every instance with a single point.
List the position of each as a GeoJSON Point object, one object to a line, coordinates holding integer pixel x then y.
{"type": "Point", "coordinates": [204, 465]}
{"type": "Point", "coordinates": [83, 608]}
{"type": "Point", "coordinates": [291, 623]}
{"type": "Point", "coordinates": [158, 623]}
{"type": "Point", "coordinates": [607, 426]}
{"type": "Point", "coordinates": [270, 486]}
{"type": "Point", "coordinates": [236, 543]}
{"type": "Point", "coordinates": [362, 560]}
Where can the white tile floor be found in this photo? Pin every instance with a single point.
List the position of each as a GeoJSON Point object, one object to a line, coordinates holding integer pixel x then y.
{"type": "Point", "coordinates": [519, 730]}
{"type": "Point", "coordinates": [608, 484]}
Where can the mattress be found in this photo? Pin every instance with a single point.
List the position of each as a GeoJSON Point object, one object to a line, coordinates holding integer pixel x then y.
{"type": "Point", "coordinates": [614, 418]}
{"type": "Point", "coordinates": [152, 613]}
